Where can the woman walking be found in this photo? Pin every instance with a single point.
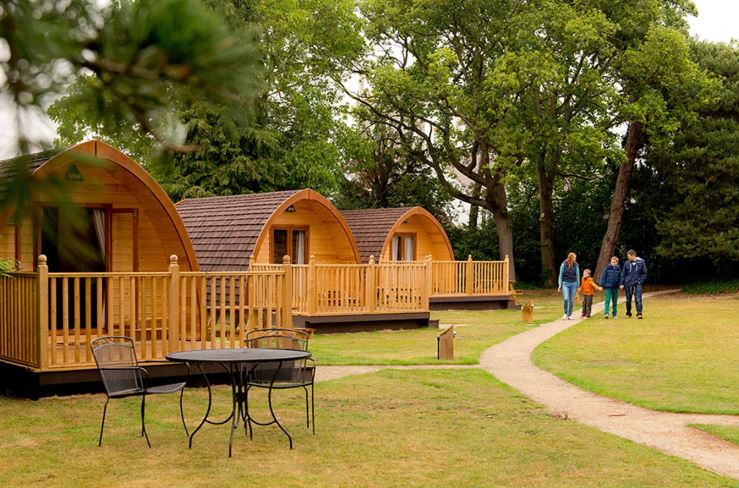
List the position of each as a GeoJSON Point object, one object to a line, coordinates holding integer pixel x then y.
{"type": "Point", "coordinates": [569, 279]}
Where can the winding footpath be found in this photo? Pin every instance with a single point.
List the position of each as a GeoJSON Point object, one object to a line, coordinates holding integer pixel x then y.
{"type": "Point", "coordinates": [510, 362]}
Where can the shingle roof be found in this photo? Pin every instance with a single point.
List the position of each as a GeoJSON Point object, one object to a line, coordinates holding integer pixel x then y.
{"type": "Point", "coordinates": [9, 167]}
{"type": "Point", "coordinates": [371, 227]}
{"type": "Point", "coordinates": [224, 230]}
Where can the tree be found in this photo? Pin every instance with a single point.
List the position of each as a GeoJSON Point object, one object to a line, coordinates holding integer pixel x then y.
{"type": "Point", "coordinates": [428, 85]}
{"type": "Point", "coordinates": [131, 60]}
{"type": "Point", "coordinates": [291, 140]}
{"type": "Point", "coordinates": [702, 162]}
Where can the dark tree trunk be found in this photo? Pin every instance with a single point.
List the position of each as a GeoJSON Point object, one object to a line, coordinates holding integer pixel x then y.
{"type": "Point", "coordinates": [474, 209]}
{"type": "Point", "coordinates": [498, 205]}
{"type": "Point", "coordinates": [545, 176]}
{"type": "Point", "coordinates": [632, 144]}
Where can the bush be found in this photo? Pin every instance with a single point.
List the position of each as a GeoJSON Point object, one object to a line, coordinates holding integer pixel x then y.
{"type": "Point", "coordinates": [712, 287]}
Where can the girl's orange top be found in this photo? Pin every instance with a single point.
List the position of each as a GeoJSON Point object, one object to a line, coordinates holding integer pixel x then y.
{"type": "Point", "coordinates": [588, 286]}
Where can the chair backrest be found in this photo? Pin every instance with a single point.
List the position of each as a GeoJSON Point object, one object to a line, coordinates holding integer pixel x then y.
{"type": "Point", "coordinates": [115, 357]}
{"type": "Point", "coordinates": [293, 372]}
{"type": "Point", "coordinates": [277, 338]}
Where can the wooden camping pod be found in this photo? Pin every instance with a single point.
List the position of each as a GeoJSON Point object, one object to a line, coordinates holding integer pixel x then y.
{"type": "Point", "coordinates": [228, 231]}
{"type": "Point", "coordinates": [137, 226]}
{"type": "Point", "coordinates": [407, 234]}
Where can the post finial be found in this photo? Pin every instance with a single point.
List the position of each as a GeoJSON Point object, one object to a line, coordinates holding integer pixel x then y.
{"type": "Point", "coordinates": [372, 259]}
{"type": "Point", "coordinates": [285, 259]}
{"type": "Point", "coordinates": [173, 259]}
{"type": "Point", "coordinates": [42, 260]}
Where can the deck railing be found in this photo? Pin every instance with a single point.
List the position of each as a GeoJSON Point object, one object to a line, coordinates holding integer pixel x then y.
{"type": "Point", "coordinates": [48, 320]}
{"type": "Point", "coordinates": [19, 332]}
{"type": "Point", "coordinates": [326, 289]}
{"type": "Point", "coordinates": [469, 278]}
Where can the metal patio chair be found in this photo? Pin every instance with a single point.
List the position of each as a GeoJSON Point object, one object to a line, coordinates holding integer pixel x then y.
{"type": "Point", "coordinates": [290, 374]}
{"type": "Point", "coordinates": [122, 377]}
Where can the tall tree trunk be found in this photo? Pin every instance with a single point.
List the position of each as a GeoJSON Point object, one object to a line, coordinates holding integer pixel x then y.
{"type": "Point", "coordinates": [474, 209]}
{"type": "Point", "coordinates": [498, 205]}
{"type": "Point", "coordinates": [632, 144]}
{"type": "Point", "coordinates": [545, 176]}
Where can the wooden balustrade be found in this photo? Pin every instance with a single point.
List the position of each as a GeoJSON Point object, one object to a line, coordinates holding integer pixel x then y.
{"type": "Point", "coordinates": [47, 320]}
{"type": "Point", "coordinates": [19, 333]}
{"type": "Point", "coordinates": [469, 278]}
{"type": "Point", "coordinates": [325, 289]}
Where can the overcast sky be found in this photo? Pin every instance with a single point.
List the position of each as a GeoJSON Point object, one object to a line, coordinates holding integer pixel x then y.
{"type": "Point", "coordinates": [716, 21]}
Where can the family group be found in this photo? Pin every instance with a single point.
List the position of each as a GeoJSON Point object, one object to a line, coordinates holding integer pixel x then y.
{"type": "Point", "coordinates": [630, 278]}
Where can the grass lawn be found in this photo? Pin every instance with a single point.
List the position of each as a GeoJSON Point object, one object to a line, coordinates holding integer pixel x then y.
{"type": "Point", "coordinates": [423, 428]}
{"type": "Point", "coordinates": [682, 357]}
{"type": "Point", "coordinates": [731, 434]}
{"type": "Point", "coordinates": [476, 331]}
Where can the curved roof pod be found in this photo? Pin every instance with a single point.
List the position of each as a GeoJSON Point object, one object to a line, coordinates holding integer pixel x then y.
{"type": "Point", "coordinates": [100, 176]}
{"type": "Point", "coordinates": [227, 231]}
{"type": "Point", "coordinates": [374, 229]}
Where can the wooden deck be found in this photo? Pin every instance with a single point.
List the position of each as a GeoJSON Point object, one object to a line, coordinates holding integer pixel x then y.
{"type": "Point", "coordinates": [47, 320]}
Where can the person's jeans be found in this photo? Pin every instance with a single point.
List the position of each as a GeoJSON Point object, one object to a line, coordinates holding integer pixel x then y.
{"type": "Point", "coordinates": [635, 291]}
{"type": "Point", "coordinates": [612, 294]}
{"type": "Point", "coordinates": [587, 304]}
{"type": "Point", "coordinates": [568, 293]}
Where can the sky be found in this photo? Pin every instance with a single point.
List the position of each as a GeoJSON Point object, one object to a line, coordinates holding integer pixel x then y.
{"type": "Point", "coordinates": [716, 21]}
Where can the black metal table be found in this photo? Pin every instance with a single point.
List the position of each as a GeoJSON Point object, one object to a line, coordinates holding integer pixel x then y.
{"type": "Point", "coordinates": [238, 363]}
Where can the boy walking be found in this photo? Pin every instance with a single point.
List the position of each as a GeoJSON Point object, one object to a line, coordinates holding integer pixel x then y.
{"type": "Point", "coordinates": [633, 277]}
{"type": "Point", "coordinates": [610, 280]}
{"type": "Point", "coordinates": [587, 287]}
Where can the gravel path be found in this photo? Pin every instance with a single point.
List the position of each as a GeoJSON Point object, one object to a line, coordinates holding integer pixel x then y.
{"type": "Point", "coordinates": [510, 362]}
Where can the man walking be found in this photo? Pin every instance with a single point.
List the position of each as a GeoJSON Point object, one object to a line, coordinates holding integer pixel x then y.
{"type": "Point", "coordinates": [633, 276]}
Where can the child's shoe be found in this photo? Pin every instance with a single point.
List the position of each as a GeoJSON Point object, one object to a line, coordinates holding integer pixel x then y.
{"type": "Point", "coordinates": [606, 317]}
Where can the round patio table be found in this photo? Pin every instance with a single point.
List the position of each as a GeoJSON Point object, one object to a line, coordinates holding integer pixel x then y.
{"type": "Point", "coordinates": [238, 363]}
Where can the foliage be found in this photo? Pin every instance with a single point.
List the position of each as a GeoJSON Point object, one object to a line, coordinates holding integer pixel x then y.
{"type": "Point", "coordinates": [291, 141]}
{"type": "Point", "coordinates": [712, 287]}
{"type": "Point", "coordinates": [380, 173]}
{"type": "Point", "coordinates": [126, 63]}
{"type": "Point", "coordinates": [701, 163]}
{"type": "Point", "coordinates": [6, 266]}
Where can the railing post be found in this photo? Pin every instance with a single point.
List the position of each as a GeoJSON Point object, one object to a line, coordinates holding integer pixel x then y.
{"type": "Point", "coordinates": [470, 276]}
{"type": "Point", "coordinates": [506, 276]}
{"type": "Point", "coordinates": [426, 291]}
{"type": "Point", "coordinates": [287, 296]}
{"type": "Point", "coordinates": [312, 286]}
{"type": "Point", "coordinates": [371, 285]}
{"type": "Point", "coordinates": [173, 333]}
{"type": "Point", "coordinates": [43, 312]}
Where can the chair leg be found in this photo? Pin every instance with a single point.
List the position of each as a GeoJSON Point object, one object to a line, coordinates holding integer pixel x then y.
{"type": "Point", "coordinates": [312, 409]}
{"type": "Point", "coordinates": [102, 425]}
{"type": "Point", "coordinates": [182, 413]}
{"type": "Point", "coordinates": [307, 412]}
{"type": "Point", "coordinates": [143, 421]}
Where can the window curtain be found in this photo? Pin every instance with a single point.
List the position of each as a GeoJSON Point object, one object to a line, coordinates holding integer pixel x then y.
{"type": "Point", "coordinates": [299, 246]}
{"type": "Point", "coordinates": [98, 219]}
{"type": "Point", "coordinates": [409, 247]}
{"type": "Point", "coordinates": [395, 252]}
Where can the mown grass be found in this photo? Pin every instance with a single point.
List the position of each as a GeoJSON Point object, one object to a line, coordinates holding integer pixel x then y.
{"type": "Point", "coordinates": [476, 331]}
{"type": "Point", "coordinates": [416, 428]}
{"type": "Point", "coordinates": [725, 432]}
{"type": "Point", "coordinates": [682, 357]}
